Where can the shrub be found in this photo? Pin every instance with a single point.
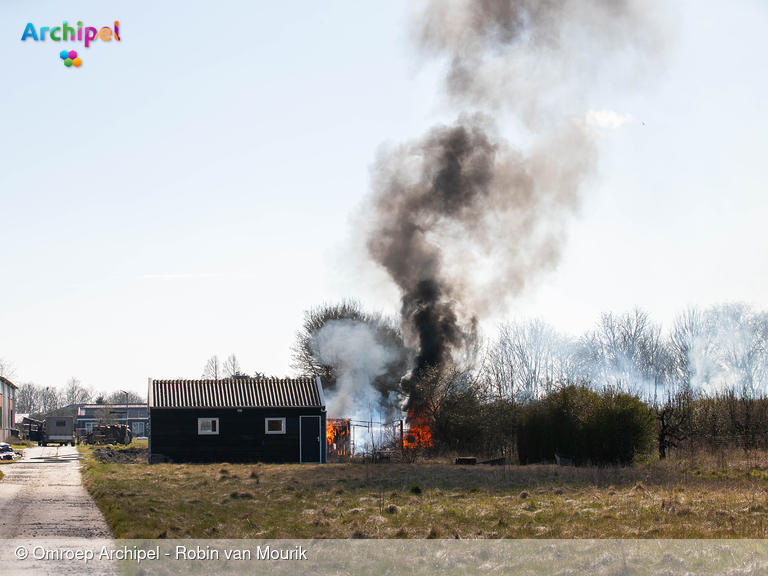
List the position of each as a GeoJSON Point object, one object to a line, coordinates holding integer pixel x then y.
{"type": "Point", "coordinates": [590, 427]}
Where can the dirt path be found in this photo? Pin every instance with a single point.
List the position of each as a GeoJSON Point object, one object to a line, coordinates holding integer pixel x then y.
{"type": "Point", "coordinates": [42, 496]}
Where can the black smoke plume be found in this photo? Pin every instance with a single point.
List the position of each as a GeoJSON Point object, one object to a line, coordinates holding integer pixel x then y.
{"type": "Point", "coordinates": [461, 220]}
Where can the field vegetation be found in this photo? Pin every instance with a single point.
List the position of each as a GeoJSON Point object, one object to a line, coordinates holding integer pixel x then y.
{"type": "Point", "coordinates": [687, 495]}
{"type": "Point", "coordinates": [670, 434]}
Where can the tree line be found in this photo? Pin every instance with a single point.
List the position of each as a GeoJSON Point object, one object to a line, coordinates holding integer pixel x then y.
{"type": "Point", "coordinates": [36, 399]}
{"type": "Point", "coordinates": [703, 380]}
{"type": "Point", "coordinates": [215, 369]}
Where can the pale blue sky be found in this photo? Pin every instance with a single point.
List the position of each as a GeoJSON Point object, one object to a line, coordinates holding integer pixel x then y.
{"type": "Point", "coordinates": [190, 190]}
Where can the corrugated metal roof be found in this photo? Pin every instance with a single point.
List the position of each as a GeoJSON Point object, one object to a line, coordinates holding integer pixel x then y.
{"type": "Point", "coordinates": [236, 393]}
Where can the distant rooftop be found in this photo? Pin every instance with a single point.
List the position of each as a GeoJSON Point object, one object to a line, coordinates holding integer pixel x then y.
{"type": "Point", "coordinates": [11, 384]}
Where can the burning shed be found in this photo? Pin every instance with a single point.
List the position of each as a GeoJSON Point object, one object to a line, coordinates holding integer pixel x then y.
{"type": "Point", "coordinates": [338, 439]}
{"type": "Point", "coordinates": [237, 420]}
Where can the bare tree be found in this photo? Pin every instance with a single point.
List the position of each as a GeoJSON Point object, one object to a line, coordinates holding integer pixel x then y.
{"type": "Point", "coordinates": [722, 348]}
{"type": "Point", "coordinates": [28, 398]}
{"type": "Point", "coordinates": [106, 415]}
{"type": "Point", "coordinates": [674, 418]}
{"type": "Point", "coordinates": [527, 359]}
{"type": "Point", "coordinates": [626, 350]}
{"type": "Point", "coordinates": [212, 370]}
{"type": "Point", "coordinates": [232, 367]}
{"type": "Point", "coordinates": [122, 397]}
{"type": "Point", "coordinates": [450, 400]}
{"type": "Point", "coordinates": [50, 399]}
{"type": "Point", "coordinates": [687, 329]}
{"type": "Point", "coordinates": [76, 393]}
{"type": "Point", "coordinates": [741, 344]}
{"type": "Point", "coordinates": [7, 369]}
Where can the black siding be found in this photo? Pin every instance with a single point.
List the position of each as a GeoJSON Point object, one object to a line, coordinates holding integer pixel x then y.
{"type": "Point", "coordinates": [241, 436]}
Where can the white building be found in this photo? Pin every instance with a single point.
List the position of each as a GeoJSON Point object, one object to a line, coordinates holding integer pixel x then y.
{"type": "Point", "coordinates": [7, 408]}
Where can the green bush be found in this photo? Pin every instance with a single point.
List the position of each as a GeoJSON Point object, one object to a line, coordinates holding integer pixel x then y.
{"type": "Point", "coordinates": [589, 427]}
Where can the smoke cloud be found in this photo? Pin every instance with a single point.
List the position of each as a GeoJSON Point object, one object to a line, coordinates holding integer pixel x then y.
{"type": "Point", "coordinates": [727, 349]}
{"type": "Point", "coordinates": [351, 347]}
{"type": "Point", "coordinates": [538, 58]}
{"type": "Point", "coordinates": [460, 219]}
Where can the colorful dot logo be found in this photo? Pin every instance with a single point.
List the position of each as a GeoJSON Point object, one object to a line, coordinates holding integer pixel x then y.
{"type": "Point", "coordinates": [70, 58]}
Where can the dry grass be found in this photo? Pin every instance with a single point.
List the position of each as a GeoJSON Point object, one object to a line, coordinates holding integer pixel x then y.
{"type": "Point", "coordinates": [18, 443]}
{"type": "Point", "coordinates": [714, 496]}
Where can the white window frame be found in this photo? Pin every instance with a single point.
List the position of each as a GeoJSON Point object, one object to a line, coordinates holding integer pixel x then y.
{"type": "Point", "coordinates": [137, 428]}
{"type": "Point", "coordinates": [89, 426]}
{"type": "Point", "coordinates": [266, 426]}
{"type": "Point", "coordinates": [202, 432]}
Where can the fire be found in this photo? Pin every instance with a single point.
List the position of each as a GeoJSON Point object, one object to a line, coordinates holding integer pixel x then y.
{"type": "Point", "coordinates": [337, 436]}
{"type": "Point", "coordinates": [419, 435]}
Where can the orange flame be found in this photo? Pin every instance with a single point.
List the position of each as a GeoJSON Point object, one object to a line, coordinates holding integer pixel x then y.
{"type": "Point", "coordinates": [330, 433]}
{"type": "Point", "coordinates": [418, 435]}
{"type": "Point", "coordinates": [337, 436]}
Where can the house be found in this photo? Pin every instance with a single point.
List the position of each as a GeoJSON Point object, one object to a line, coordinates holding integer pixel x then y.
{"type": "Point", "coordinates": [237, 420]}
{"type": "Point", "coordinates": [135, 416]}
{"type": "Point", "coordinates": [7, 409]}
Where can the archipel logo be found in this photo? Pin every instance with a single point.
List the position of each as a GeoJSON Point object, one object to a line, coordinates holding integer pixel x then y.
{"type": "Point", "coordinates": [70, 58]}
{"type": "Point", "coordinates": [68, 34]}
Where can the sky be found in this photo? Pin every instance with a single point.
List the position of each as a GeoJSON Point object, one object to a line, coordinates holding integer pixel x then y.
{"type": "Point", "coordinates": [193, 188]}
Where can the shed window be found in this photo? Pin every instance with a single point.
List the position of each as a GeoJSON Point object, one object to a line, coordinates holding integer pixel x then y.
{"type": "Point", "coordinates": [274, 426]}
{"type": "Point", "coordinates": [207, 425]}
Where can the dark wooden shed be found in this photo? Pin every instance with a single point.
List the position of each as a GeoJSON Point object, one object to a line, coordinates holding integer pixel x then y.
{"type": "Point", "coordinates": [237, 420]}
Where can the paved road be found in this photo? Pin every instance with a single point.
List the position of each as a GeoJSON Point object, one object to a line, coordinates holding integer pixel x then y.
{"type": "Point", "coordinates": [43, 507]}
{"type": "Point", "coordinates": [42, 496]}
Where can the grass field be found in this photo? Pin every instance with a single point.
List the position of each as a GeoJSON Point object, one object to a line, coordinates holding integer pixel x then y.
{"type": "Point", "coordinates": [723, 496]}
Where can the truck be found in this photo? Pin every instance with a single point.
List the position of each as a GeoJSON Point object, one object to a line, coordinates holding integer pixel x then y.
{"type": "Point", "coordinates": [109, 434]}
{"type": "Point", "coordinates": [57, 430]}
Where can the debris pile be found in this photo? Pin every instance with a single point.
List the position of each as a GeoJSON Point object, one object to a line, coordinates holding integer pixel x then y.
{"type": "Point", "coordinates": [126, 456]}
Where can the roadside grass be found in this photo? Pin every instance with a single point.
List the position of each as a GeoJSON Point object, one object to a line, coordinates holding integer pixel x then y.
{"type": "Point", "coordinates": [718, 496]}
{"type": "Point", "coordinates": [17, 443]}
{"type": "Point", "coordinates": [87, 449]}
{"type": "Point", "coordinates": [142, 443]}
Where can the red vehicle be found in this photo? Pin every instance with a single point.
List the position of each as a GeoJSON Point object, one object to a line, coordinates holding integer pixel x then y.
{"type": "Point", "coordinates": [109, 434]}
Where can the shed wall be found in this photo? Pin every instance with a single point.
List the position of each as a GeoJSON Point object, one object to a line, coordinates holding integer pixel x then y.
{"type": "Point", "coordinates": [241, 437]}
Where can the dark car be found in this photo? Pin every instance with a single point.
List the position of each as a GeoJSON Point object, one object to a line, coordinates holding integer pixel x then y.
{"type": "Point", "coordinates": [6, 452]}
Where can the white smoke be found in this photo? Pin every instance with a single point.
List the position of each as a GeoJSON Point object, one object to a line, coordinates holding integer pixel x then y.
{"type": "Point", "coordinates": [601, 120]}
{"type": "Point", "coordinates": [729, 351]}
{"type": "Point", "coordinates": [351, 348]}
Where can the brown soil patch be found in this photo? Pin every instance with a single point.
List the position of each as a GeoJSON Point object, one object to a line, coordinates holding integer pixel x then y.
{"type": "Point", "coordinates": [124, 456]}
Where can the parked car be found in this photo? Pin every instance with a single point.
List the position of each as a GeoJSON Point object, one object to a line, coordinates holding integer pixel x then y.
{"type": "Point", "coordinates": [6, 452]}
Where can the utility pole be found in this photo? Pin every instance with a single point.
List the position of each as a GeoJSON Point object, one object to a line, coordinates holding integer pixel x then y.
{"type": "Point", "coordinates": [126, 407]}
